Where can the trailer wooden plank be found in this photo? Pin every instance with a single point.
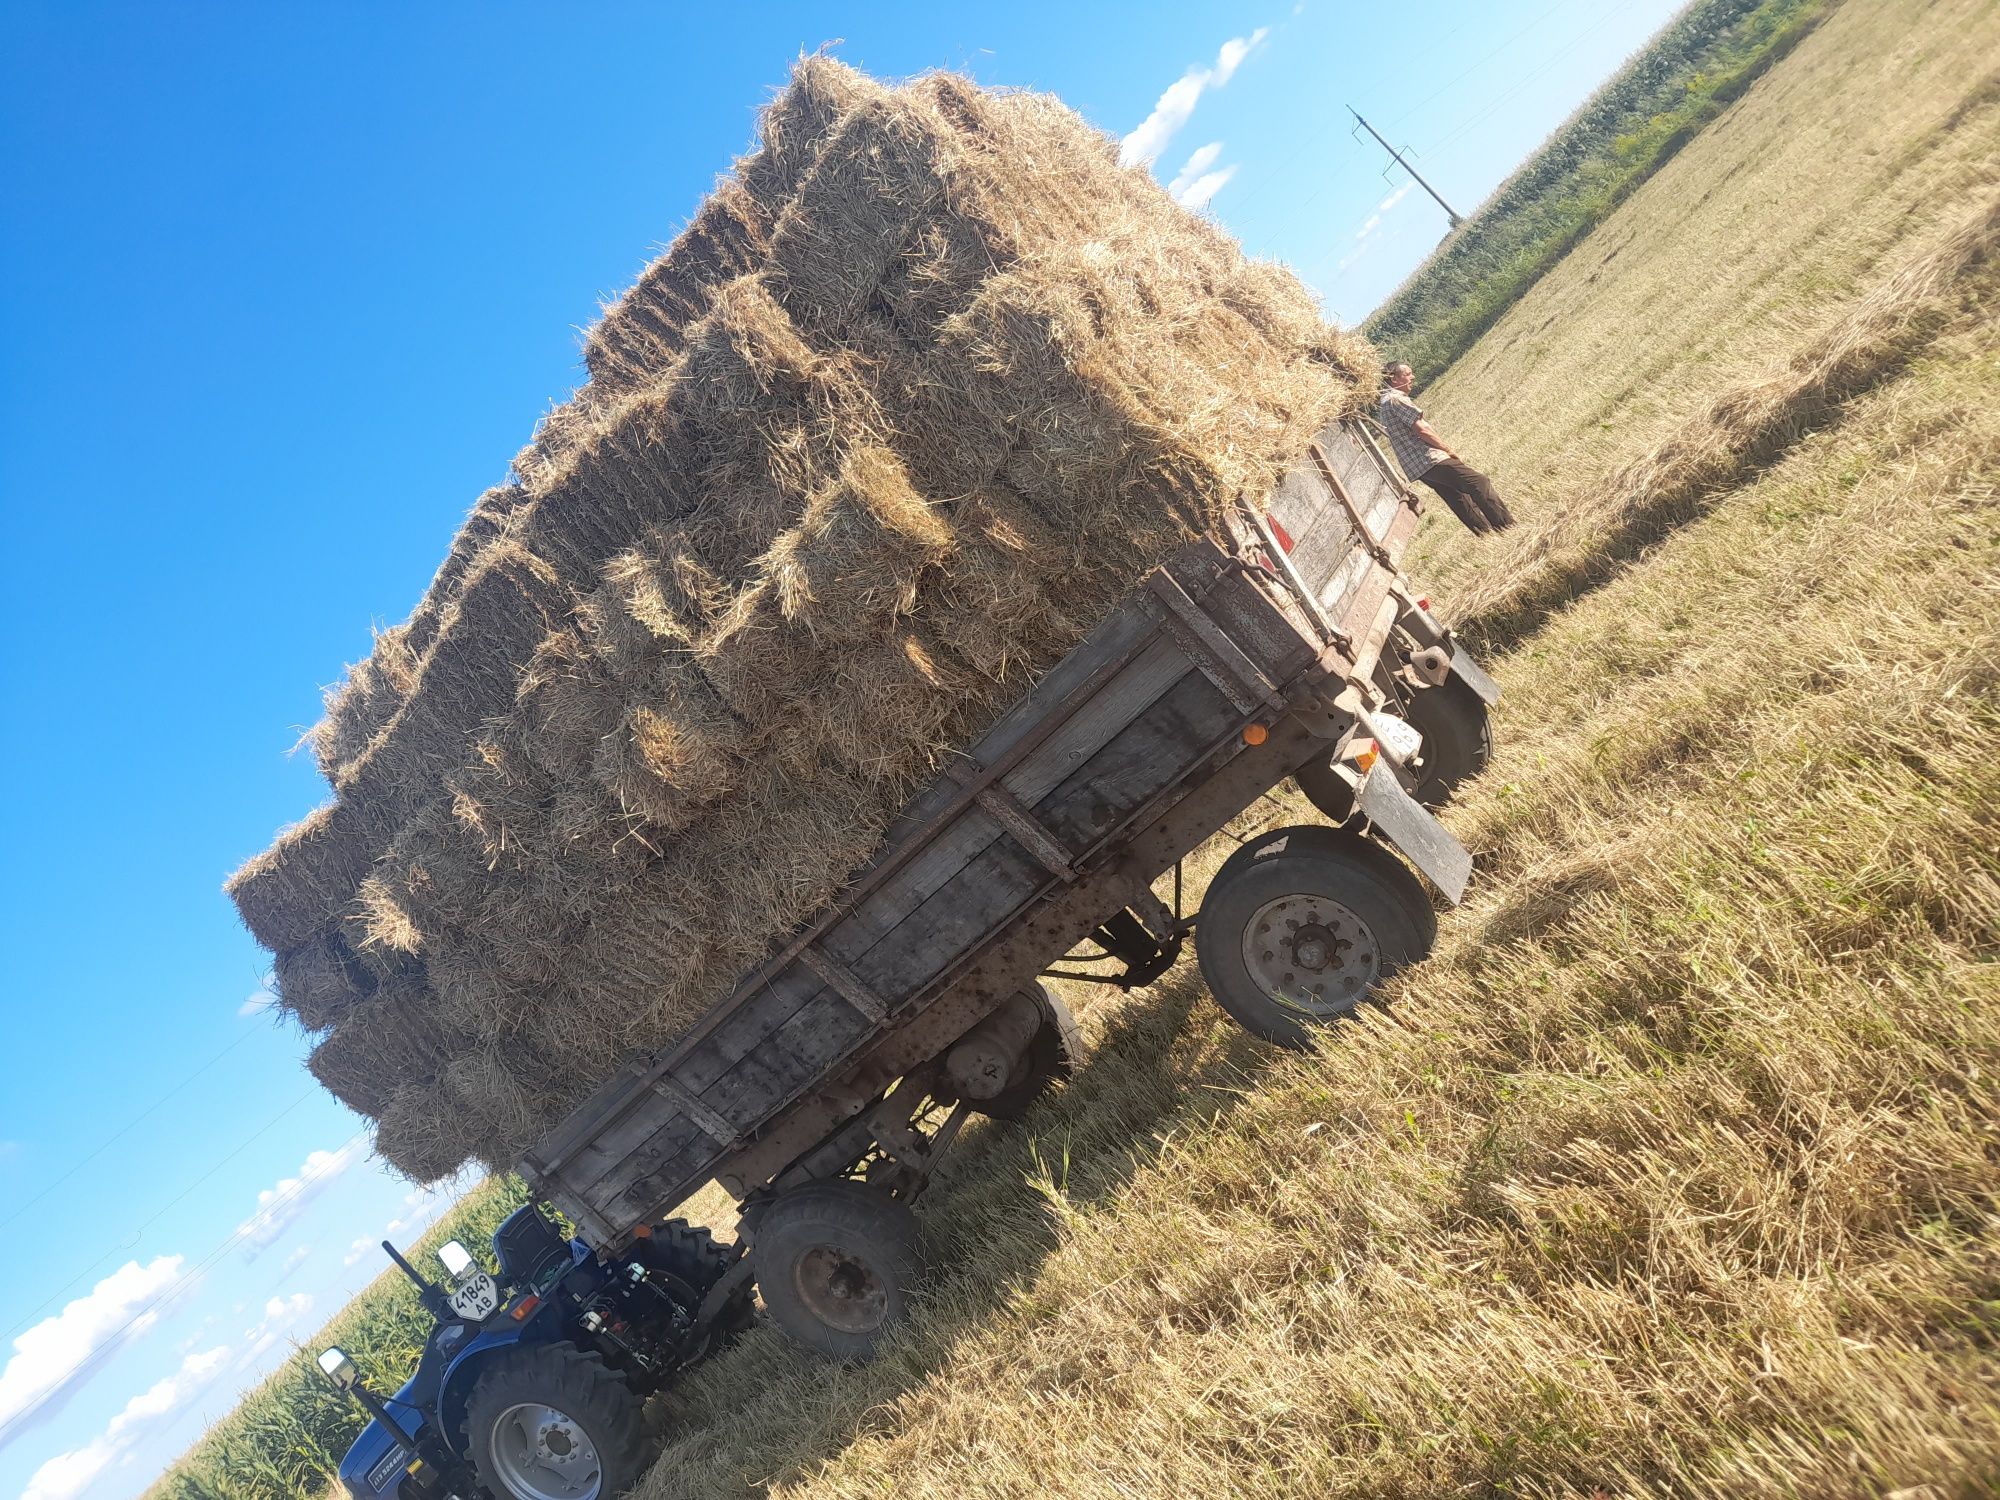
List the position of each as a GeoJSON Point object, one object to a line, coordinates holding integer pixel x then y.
{"type": "Point", "coordinates": [758, 1017]}
{"type": "Point", "coordinates": [1113, 706]}
{"type": "Point", "coordinates": [997, 882]}
{"type": "Point", "coordinates": [1154, 752]}
{"type": "Point", "coordinates": [654, 1169]}
{"type": "Point", "coordinates": [662, 1150]}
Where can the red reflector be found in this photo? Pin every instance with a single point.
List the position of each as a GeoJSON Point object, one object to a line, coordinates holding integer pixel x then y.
{"type": "Point", "coordinates": [525, 1306]}
{"type": "Point", "coordinates": [1424, 604]}
{"type": "Point", "coordinates": [1284, 537]}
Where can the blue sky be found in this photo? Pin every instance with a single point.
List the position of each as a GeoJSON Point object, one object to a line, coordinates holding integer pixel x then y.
{"type": "Point", "coordinates": [282, 289]}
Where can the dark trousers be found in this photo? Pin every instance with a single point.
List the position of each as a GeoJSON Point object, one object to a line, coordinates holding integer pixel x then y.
{"type": "Point", "coordinates": [1470, 494]}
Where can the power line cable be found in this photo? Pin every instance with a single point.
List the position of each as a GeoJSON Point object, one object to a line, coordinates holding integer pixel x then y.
{"type": "Point", "coordinates": [161, 1212]}
{"type": "Point", "coordinates": [123, 1333]}
{"type": "Point", "coordinates": [124, 1130]}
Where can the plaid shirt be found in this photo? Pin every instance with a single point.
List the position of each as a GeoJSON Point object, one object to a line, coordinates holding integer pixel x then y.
{"type": "Point", "coordinates": [1400, 416]}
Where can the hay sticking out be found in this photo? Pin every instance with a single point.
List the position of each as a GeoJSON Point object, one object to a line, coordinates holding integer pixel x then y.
{"type": "Point", "coordinates": [898, 416]}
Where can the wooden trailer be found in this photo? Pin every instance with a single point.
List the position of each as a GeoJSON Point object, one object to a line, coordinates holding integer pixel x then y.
{"type": "Point", "coordinates": [823, 1090]}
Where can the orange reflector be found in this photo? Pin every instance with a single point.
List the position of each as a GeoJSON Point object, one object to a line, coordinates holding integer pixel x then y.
{"type": "Point", "coordinates": [1255, 734]}
{"type": "Point", "coordinates": [525, 1306]}
{"type": "Point", "coordinates": [1284, 537]}
{"type": "Point", "coordinates": [1424, 604]}
{"type": "Point", "coordinates": [642, 1231]}
{"type": "Point", "coordinates": [1364, 753]}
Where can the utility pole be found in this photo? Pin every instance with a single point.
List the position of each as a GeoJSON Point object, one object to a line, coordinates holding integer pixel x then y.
{"type": "Point", "coordinates": [1448, 211]}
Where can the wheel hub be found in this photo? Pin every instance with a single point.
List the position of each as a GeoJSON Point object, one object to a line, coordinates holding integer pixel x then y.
{"type": "Point", "coordinates": [1311, 953]}
{"type": "Point", "coordinates": [544, 1454]}
{"type": "Point", "coordinates": [842, 1291]}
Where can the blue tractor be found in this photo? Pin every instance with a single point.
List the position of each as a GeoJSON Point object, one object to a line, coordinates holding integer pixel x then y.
{"type": "Point", "coordinates": [532, 1383]}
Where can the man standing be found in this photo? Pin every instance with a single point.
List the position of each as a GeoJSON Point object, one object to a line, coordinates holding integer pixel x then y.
{"type": "Point", "coordinates": [1423, 455]}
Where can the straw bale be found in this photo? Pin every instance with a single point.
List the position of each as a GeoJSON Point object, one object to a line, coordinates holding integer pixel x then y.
{"type": "Point", "coordinates": [772, 856]}
{"type": "Point", "coordinates": [423, 1134]}
{"type": "Point", "coordinates": [393, 1038]}
{"type": "Point", "coordinates": [490, 1087]}
{"type": "Point", "coordinates": [876, 176]}
{"type": "Point", "coordinates": [313, 868]}
{"type": "Point", "coordinates": [795, 126]}
{"type": "Point", "coordinates": [677, 748]}
{"type": "Point", "coordinates": [367, 697]}
{"type": "Point", "coordinates": [658, 599]}
{"type": "Point", "coordinates": [322, 982]}
{"type": "Point", "coordinates": [753, 658]}
{"type": "Point", "coordinates": [568, 701]}
{"type": "Point", "coordinates": [644, 331]}
{"type": "Point", "coordinates": [860, 554]}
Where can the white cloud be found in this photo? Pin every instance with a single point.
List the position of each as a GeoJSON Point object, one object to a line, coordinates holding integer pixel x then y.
{"type": "Point", "coordinates": [297, 1258]}
{"type": "Point", "coordinates": [281, 1315]}
{"type": "Point", "coordinates": [1234, 51]}
{"type": "Point", "coordinates": [1197, 193]}
{"type": "Point", "coordinates": [280, 1205]}
{"type": "Point", "coordinates": [58, 1353]}
{"type": "Point", "coordinates": [1196, 164]}
{"type": "Point", "coordinates": [1174, 107]}
{"type": "Point", "coordinates": [361, 1246]}
{"type": "Point", "coordinates": [1371, 224]}
{"type": "Point", "coordinates": [70, 1474]}
{"type": "Point", "coordinates": [265, 997]}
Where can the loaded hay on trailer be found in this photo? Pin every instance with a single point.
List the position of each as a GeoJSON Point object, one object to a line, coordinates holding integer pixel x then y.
{"type": "Point", "coordinates": [919, 392]}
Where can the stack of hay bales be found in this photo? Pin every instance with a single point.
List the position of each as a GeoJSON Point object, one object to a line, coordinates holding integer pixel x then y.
{"type": "Point", "coordinates": [921, 390]}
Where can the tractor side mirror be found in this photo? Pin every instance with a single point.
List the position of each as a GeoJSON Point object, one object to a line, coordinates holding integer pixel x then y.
{"type": "Point", "coordinates": [339, 1369]}
{"type": "Point", "coordinates": [457, 1259]}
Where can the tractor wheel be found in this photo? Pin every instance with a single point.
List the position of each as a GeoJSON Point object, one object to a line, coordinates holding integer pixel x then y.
{"type": "Point", "coordinates": [1052, 1056]}
{"type": "Point", "coordinates": [835, 1260]}
{"type": "Point", "coordinates": [1299, 928]}
{"type": "Point", "coordinates": [690, 1255]}
{"type": "Point", "coordinates": [550, 1422]}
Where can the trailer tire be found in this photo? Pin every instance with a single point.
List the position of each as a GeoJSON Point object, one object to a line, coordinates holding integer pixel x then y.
{"type": "Point", "coordinates": [1298, 929]}
{"type": "Point", "coordinates": [691, 1254]}
{"type": "Point", "coordinates": [551, 1420]}
{"type": "Point", "coordinates": [1052, 1056]}
{"type": "Point", "coordinates": [834, 1262]}
{"type": "Point", "coordinates": [1458, 739]}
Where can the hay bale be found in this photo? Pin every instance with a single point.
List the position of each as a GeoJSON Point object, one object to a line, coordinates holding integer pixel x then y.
{"type": "Point", "coordinates": [897, 417]}
{"type": "Point", "coordinates": [322, 982]}
{"type": "Point", "coordinates": [856, 561]}
{"type": "Point", "coordinates": [422, 1133]}
{"type": "Point", "coordinates": [285, 894]}
{"type": "Point", "coordinates": [391, 1040]}
{"type": "Point", "coordinates": [676, 751]}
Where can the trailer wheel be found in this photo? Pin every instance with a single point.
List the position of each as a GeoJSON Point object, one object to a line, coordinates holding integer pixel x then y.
{"type": "Point", "coordinates": [1299, 928]}
{"type": "Point", "coordinates": [550, 1422]}
{"type": "Point", "coordinates": [834, 1261]}
{"type": "Point", "coordinates": [1458, 739]}
{"type": "Point", "coordinates": [690, 1255]}
{"type": "Point", "coordinates": [1052, 1056]}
